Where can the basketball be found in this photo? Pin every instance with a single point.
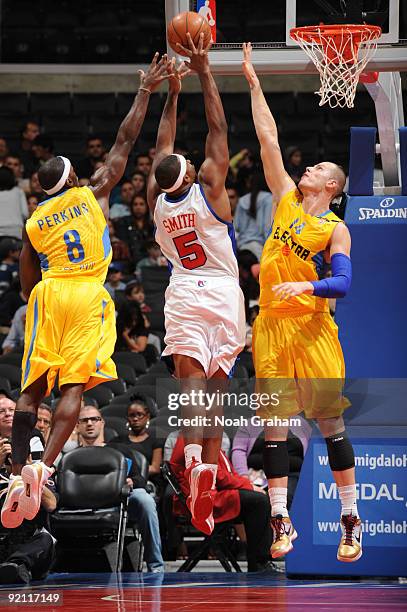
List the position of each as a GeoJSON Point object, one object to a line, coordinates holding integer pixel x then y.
{"type": "Point", "coordinates": [182, 24]}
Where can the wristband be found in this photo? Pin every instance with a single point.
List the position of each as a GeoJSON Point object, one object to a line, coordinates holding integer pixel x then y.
{"type": "Point", "coordinates": [144, 89]}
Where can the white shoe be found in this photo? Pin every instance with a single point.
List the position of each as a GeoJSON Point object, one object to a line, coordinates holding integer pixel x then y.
{"type": "Point", "coordinates": [34, 477]}
{"type": "Point", "coordinates": [11, 515]}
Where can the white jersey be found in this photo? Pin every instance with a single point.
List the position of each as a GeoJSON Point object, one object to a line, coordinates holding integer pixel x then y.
{"type": "Point", "coordinates": [193, 238]}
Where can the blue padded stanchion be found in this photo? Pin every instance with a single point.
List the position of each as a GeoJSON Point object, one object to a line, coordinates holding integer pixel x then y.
{"type": "Point", "coordinates": [362, 158]}
{"type": "Point", "coordinates": [403, 159]}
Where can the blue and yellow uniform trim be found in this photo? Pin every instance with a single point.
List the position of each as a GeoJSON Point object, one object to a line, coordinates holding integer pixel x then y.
{"type": "Point", "coordinates": [70, 321]}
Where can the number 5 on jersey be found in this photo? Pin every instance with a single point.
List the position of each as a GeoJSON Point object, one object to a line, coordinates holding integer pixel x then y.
{"type": "Point", "coordinates": [191, 253]}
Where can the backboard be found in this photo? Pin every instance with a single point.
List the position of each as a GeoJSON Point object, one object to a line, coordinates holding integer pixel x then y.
{"type": "Point", "coordinates": [266, 24]}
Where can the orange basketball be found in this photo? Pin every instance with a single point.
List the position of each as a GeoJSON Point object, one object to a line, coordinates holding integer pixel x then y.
{"type": "Point", "coordinates": [187, 22]}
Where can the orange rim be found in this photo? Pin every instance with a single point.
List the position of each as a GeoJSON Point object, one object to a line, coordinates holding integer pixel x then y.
{"type": "Point", "coordinates": [359, 32]}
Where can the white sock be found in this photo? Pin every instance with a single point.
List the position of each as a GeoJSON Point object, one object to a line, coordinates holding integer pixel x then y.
{"type": "Point", "coordinates": [14, 476]}
{"type": "Point", "coordinates": [347, 495]}
{"type": "Point", "coordinates": [214, 470]}
{"type": "Point", "coordinates": [278, 501]}
{"type": "Point", "coordinates": [192, 452]}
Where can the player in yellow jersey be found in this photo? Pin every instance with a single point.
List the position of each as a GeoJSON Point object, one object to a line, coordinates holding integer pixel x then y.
{"type": "Point", "coordinates": [296, 350]}
{"type": "Point", "coordinates": [70, 324]}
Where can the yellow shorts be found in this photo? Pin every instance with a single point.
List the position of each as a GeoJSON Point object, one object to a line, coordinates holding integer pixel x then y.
{"type": "Point", "coordinates": [300, 359]}
{"type": "Point", "coordinates": [71, 331]}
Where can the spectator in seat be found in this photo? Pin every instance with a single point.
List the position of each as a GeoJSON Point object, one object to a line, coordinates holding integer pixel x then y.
{"type": "Point", "coordinates": [132, 332]}
{"type": "Point", "coordinates": [247, 452]}
{"type": "Point", "coordinates": [14, 163]}
{"type": "Point", "coordinates": [27, 551]}
{"type": "Point", "coordinates": [138, 180]}
{"type": "Point", "coordinates": [32, 203]}
{"type": "Point", "coordinates": [136, 228]}
{"type": "Point", "coordinates": [135, 293]}
{"type": "Point", "coordinates": [44, 420]}
{"type": "Point", "coordinates": [142, 508]}
{"type": "Point", "coordinates": [35, 187]}
{"type": "Point", "coordinates": [10, 250]}
{"type": "Point", "coordinates": [114, 281]}
{"type": "Point", "coordinates": [13, 205]}
{"type": "Point", "coordinates": [141, 437]}
{"type": "Point", "coordinates": [253, 217]}
{"type": "Point", "coordinates": [242, 159]}
{"type": "Point", "coordinates": [29, 132]}
{"type": "Point", "coordinates": [154, 258]}
{"type": "Point", "coordinates": [234, 496]}
{"type": "Point", "coordinates": [293, 163]}
{"type": "Point", "coordinates": [121, 252]}
{"type": "Point", "coordinates": [233, 195]}
{"type": "Point", "coordinates": [3, 151]}
{"type": "Point", "coordinates": [95, 152]}
{"type": "Point", "coordinates": [14, 341]}
{"type": "Point", "coordinates": [142, 163]}
{"type": "Point", "coordinates": [248, 283]}
{"type": "Point", "coordinates": [10, 302]}
{"type": "Point", "coordinates": [123, 208]}
{"type": "Point", "coordinates": [43, 148]}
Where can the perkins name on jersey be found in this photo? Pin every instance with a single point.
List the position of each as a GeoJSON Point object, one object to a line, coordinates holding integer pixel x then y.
{"type": "Point", "coordinates": [63, 216]}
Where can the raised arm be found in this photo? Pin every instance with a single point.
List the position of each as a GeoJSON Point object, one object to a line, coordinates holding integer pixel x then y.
{"type": "Point", "coordinates": [266, 129]}
{"type": "Point", "coordinates": [214, 170]}
{"type": "Point", "coordinates": [166, 130]}
{"type": "Point", "coordinates": [30, 269]}
{"type": "Point", "coordinates": [111, 172]}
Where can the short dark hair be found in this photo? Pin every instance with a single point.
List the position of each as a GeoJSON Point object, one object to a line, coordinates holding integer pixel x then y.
{"type": "Point", "coordinates": [50, 172]}
{"type": "Point", "coordinates": [7, 179]}
{"type": "Point", "coordinates": [145, 154]}
{"type": "Point", "coordinates": [139, 398]}
{"type": "Point", "coordinates": [167, 171]}
{"type": "Point", "coordinates": [25, 125]}
{"type": "Point", "coordinates": [8, 245]}
{"type": "Point", "coordinates": [132, 285]}
{"type": "Point", "coordinates": [93, 137]}
{"type": "Point", "coordinates": [44, 141]}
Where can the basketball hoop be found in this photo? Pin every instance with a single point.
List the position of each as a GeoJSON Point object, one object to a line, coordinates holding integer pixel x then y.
{"type": "Point", "coordinates": [340, 53]}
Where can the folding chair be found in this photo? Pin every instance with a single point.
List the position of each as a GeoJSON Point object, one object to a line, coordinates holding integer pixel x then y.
{"type": "Point", "coordinates": [217, 542]}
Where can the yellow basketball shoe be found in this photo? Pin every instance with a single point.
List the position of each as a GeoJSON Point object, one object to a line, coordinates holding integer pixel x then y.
{"type": "Point", "coordinates": [283, 536]}
{"type": "Point", "coordinates": [350, 546]}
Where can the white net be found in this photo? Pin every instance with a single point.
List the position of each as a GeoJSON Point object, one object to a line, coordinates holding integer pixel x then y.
{"type": "Point", "coordinates": [340, 55]}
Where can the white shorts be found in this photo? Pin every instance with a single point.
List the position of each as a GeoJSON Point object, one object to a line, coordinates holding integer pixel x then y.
{"type": "Point", "coordinates": [205, 319]}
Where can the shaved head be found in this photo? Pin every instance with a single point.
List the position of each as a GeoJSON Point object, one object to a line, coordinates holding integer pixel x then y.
{"type": "Point", "coordinates": [338, 175]}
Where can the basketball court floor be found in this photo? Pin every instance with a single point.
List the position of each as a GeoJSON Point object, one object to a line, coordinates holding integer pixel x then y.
{"type": "Point", "coordinates": [198, 592]}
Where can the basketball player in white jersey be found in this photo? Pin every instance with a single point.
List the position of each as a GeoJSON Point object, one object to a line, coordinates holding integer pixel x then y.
{"type": "Point", "coordinates": [204, 309]}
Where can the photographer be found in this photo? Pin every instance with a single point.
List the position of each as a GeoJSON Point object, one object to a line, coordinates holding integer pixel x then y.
{"type": "Point", "coordinates": [27, 551]}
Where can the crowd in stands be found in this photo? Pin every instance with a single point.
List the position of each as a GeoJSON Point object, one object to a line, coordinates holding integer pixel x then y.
{"type": "Point", "coordinates": [136, 280]}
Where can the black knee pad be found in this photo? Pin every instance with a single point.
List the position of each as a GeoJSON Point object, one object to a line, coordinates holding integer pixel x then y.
{"type": "Point", "coordinates": [275, 459]}
{"type": "Point", "coordinates": [340, 452]}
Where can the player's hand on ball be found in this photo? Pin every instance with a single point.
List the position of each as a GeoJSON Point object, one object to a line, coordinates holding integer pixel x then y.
{"type": "Point", "coordinates": [285, 291]}
{"type": "Point", "coordinates": [176, 75]}
{"type": "Point", "coordinates": [247, 66]}
{"type": "Point", "coordinates": [198, 56]}
{"type": "Point", "coordinates": [157, 72]}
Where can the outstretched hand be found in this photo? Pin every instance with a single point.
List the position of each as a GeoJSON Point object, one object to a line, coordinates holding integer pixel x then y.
{"type": "Point", "coordinates": [198, 56]}
{"type": "Point", "coordinates": [285, 291]}
{"type": "Point", "coordinates": [176, 74]}
{"type": "Point", "coordinates": [247, 66]}
{"type": "Point", "coordinates": [157, 72]}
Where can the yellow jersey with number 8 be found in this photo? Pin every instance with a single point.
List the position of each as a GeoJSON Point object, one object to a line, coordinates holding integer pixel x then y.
{"type": "Point", "coordinates": [70, 234]}
{"type": "Point", "coordinates": [290, 254]}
